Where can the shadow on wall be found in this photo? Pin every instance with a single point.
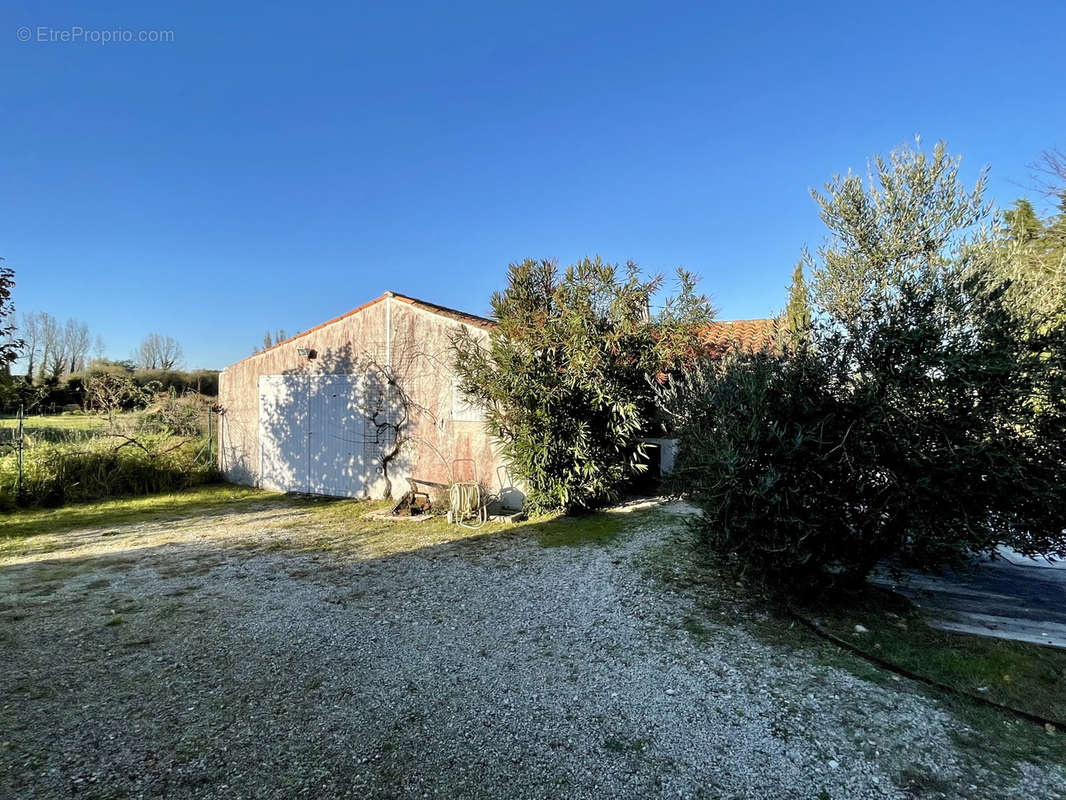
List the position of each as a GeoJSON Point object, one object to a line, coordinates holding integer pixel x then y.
{"type": "Point", "coordinates": [510, 498]}
{"type": "Point", "coordinates": [349, 422]}
{"type": "Point", "coordinates": [235, 463]}
{"type": "Point", "coordinates": [329, 426]}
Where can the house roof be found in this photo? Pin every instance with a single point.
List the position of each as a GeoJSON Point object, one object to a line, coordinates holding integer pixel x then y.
{"type": "Point", "coordinates": [444, 311]}
{"type": "Point", "coordinates": [748, 334]}
{"type": "Point", "coordinates": [752, 335]}
{"type": "Point", "coordinates": [433, 308]}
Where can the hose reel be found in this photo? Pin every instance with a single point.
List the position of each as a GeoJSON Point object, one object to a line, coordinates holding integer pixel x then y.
{"type": "Point", "coordinates": [467, 506]}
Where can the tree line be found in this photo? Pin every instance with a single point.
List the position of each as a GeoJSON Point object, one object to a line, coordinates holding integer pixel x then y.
{"type": "Point", "coordinates": [270, 339]}
{"type": "Point", "coordinates": [61, 358]}
{"type": "Point", "coordinates": [53, 351]}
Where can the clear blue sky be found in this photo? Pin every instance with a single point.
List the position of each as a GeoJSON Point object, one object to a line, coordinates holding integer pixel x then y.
{"type": "Point", "coordinates": [274, 167]}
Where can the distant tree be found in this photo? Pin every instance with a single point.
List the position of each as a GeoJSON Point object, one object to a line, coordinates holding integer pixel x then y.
{"type": "Point", "coordinates": [30, 327]}
{"type": "Point", "coordinates": [798, 311]}
{"type": "Point", "coordinates": [98, 348]}
{"type": "Point", "coordinates": [270, 340]}
{"type": "Point", "coordinates": [76, 344]}
{"type": "Point", "coordinates": [9, 345]}
{"type": "Point", "coordinates": [157, 351]}
{"type": "Point", "coordinates": [99, 366]}
{"type": "Point", "coordinates": [1031, 258]}
{"type": "Point", "coordinates": [1049, 175]}
{"type": "Point", "coordinates": [53, 352]}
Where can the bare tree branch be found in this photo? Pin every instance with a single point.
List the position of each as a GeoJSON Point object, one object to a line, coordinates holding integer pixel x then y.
{"type": "Point", "coordinates": [157, 351]}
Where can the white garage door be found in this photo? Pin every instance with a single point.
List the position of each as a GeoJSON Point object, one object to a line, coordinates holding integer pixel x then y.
{"type": "Point", "coordinates": [283, 429]}
{"type": "Point", "coordinates": [311, 435]}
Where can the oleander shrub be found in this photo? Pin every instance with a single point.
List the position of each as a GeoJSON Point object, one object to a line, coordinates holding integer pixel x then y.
{"type": "Point", "coordinates": [563, 381]}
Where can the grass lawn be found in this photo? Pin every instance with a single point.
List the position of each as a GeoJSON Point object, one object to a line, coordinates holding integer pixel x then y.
{"type": "Point", "coordinates": [158, 507]}
{"type": "Point", "coordinates": [58, 428]}
{"type": "Point", "coordinates": [351, 527]}
{"type": "Point", "coordinates": [1025, 676]}
{"type": "Point", "coordinates": [309, 524]}
{"type": "Point", "coordinates": [70, 422]}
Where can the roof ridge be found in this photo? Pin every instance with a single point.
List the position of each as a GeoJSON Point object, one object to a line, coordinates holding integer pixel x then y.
{"type": "Point", "coordinates": [433, 308]}
{"type": "Point", "coordinates": [438, 308]}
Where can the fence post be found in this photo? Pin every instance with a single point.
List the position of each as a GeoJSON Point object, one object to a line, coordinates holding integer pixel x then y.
{"type": "Point", "coordinates": [18, 485]}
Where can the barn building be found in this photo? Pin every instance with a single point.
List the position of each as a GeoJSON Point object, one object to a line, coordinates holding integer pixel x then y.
{"type": "Point", "coordinates": [369, 399]}
{"type": "Point", "coordinates": [363, 400]}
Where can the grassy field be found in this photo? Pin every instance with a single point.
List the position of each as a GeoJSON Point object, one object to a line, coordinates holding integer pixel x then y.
{"type": "Point", "coordinates": [315, 524]}
{"type": "Point", "coordinates": [78, 458]}
{"type": "Point", "coordinates": [71, 422]}
{"type": "Point", "coordinates": [152, 508]}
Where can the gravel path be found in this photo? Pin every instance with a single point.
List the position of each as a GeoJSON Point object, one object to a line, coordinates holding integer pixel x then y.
{"type": "Point", "coordinates": [206, 665]}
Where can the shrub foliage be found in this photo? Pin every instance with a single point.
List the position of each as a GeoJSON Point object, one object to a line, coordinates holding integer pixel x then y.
{"type": "Point", "coordinates": [100, 468]}
{"type": "Point", "coordinates": [564, 377]}
{"type": "Point", "coordinates": [925, 418]}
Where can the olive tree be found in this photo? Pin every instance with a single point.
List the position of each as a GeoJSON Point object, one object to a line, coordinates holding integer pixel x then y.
{"type": "Point", "coordinates": [927, 423]}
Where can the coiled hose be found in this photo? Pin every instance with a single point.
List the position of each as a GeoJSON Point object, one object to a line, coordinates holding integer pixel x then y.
{"type": "Point", "coordinates": [466, 505]}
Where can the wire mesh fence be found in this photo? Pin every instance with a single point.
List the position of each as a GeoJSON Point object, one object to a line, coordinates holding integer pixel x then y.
{"type": "Point", "coordinates": [51, 459]}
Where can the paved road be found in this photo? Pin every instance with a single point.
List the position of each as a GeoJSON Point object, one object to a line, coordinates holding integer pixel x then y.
{"type": "Point", "coordinates": [1009, 596]}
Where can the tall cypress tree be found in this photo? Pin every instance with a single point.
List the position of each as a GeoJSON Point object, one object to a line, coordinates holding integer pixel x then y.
{"type": "Point", "coordinates": [798, 311]}
{"type": "Point", "coordinates": [1024, 224]}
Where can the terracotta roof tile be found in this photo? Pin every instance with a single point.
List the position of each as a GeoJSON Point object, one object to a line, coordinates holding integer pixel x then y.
{"type": "Point", "coordinates": [751, 335]}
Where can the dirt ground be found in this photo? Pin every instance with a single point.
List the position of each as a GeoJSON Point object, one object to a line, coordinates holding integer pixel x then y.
{"type": "Point", "coordinates": [267, 653]}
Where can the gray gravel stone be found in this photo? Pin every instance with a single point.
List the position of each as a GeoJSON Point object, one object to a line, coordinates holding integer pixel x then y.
{"type": "Point", "coordinates": [489, 667]}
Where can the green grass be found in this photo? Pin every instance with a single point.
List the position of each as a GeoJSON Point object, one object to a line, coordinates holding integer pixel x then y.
{"type": "Point", "coordinates": [20, 524]}
{"type": "Point", "coordinates": [318, 525]}
{"type": "Point", "coordinates": [1028, 677]}
{"type": "Point", "coordinates": [1025, 676]}
{"type": "Point", "coordinates": [72, 422]}
{"type": "Point", "coordinates": [339, 525]}
{"type": "Point", "coordinates": [577, 531]}
{"type": "Point", "coordinates": [71, 428]}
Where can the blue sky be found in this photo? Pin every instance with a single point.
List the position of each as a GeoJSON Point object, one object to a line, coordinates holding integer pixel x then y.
{"type": "Point", "coordinates": [273, 167]}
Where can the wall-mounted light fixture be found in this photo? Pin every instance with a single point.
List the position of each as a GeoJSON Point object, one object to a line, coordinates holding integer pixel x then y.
{"type": "Point", "coordinates": [307, 353]}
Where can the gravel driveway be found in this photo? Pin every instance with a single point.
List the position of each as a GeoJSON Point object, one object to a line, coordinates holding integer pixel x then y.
{"type": "Point", "coordinates": [198, 660]}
